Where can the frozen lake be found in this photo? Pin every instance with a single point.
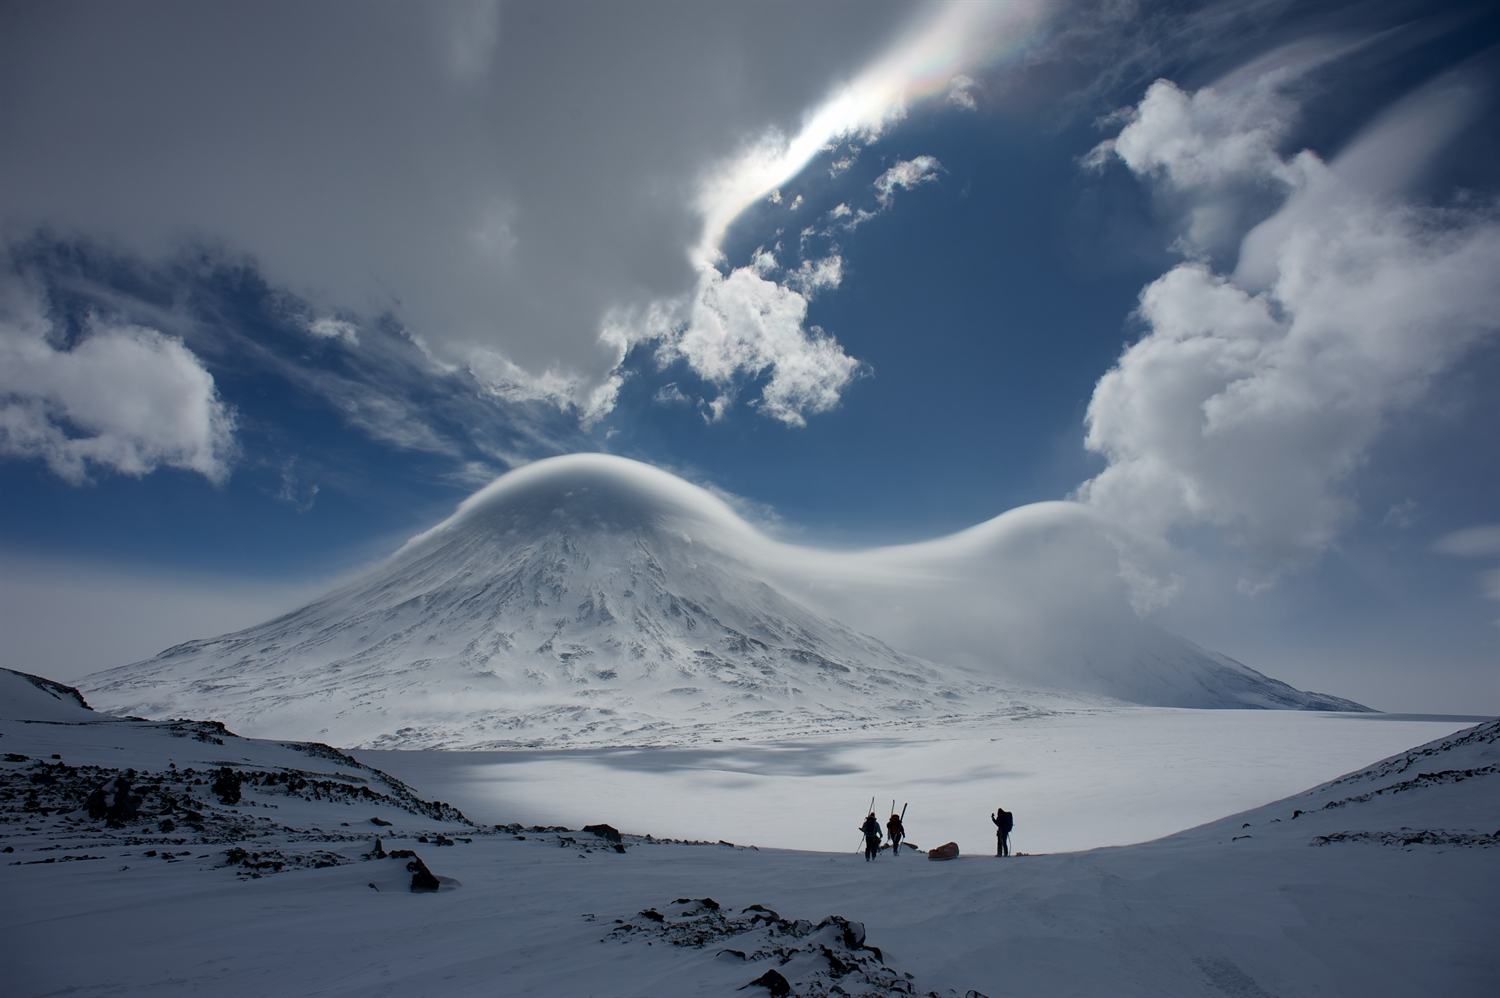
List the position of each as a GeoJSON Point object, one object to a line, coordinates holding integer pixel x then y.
{"type": "Point", "coordinates": [1074, 781]}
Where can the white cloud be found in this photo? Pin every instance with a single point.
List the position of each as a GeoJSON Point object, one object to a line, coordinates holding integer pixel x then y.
{"type": "Point", "coordinates": [763, 262]}
{"type": "Point", "coordinates": [504, 379]}
{"type": "Point", "coordinates": [743, 325]}
{"type": "Point", "coordinates": [1247, 406]}
{"type": "Point", "coordinates": [812, 276]}
{"type": "Point", "coordinates": [123, 397]}
{"type": "Point", "coordinates": [670, 394]}
{"type": "Point", "coordinates": [295, 492]}
{"type": "Point", "coordinates": [961, 93]}
{"type": "Point", "coordinates": [906, 175]}
{"type": "Point", "coordinates": [335, 329]}
{"type": "Point", "coordinates": [1400, 515]}
{"type": "Point", "coordinates": [1213, 155]}
{"type": "Point", "coordinates": [1472, 542]}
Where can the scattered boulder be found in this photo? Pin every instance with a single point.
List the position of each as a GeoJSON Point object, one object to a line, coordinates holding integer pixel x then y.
{"type": "Point", "coordinates": [226, 786]}
{"type": "Point", "coordinates": [653, 915]}
{"type": "Point", "coordinates": [422, 880]}
{"type": "Point", "coordinates": [381, 822]}
{"type": "Point", "coordinates": [772, 982]}
{"type": "Point", "coordinates": [126, 804]}
{"type": "Point", "coordinates": [608, 833]}
{"type": "Point", "coordinates": [948, 850]}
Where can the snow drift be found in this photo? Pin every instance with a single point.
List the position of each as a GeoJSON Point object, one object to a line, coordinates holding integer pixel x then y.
{"type": "Point", "coordinates": [595, 600]}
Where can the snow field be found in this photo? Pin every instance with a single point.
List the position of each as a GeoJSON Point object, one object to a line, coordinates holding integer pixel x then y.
{"type": "Point", "coordinates": [1074, 781]}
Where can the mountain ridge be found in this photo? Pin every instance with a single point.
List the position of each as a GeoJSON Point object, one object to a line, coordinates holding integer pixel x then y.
{"type": "Point", "coordinates": [590, 600]}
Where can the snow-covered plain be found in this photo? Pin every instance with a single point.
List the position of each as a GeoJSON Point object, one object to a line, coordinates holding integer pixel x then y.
{"type": "Point", "coordinates": [1380, 883]}
{"type": "Point", "coordinates": [1074, 780]}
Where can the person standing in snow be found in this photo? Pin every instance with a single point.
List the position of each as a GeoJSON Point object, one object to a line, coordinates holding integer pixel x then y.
{"type": "Point", "coordinates": [1004, 822]}
{"type": "Point", "coordinates": [871, 828]}
{"type": "Point", "coordinates": [897, 832]}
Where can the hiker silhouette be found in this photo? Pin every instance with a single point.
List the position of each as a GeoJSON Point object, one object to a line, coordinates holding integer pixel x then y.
{"type": "Point", "coordinates": [897, 832]}
{"type": "Point", "coordinates": [871, 828]}
{"type": "Point", "coordinates": [1004, 822]}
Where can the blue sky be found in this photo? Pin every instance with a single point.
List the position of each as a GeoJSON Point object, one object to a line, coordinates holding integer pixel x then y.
{"type": "Point", "coordinates": [1222, 271]}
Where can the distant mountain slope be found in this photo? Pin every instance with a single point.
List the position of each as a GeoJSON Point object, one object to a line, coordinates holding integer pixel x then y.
{"type": "Point", "coordinates": [27, 697]}
{"type": "Point", "coordinates": [590, 600]}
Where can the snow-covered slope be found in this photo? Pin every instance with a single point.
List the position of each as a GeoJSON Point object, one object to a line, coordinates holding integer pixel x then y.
{"type": "Point", "coordinates": [1381, 883]}
{"type": "Point", "coordinates": [589, 600]}
{"type": "Point", "coordinates": [27, 697]}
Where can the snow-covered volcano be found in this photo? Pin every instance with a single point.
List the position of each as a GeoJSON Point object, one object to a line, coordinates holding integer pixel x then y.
{"type": "Point", "coordinates": [590, 599]}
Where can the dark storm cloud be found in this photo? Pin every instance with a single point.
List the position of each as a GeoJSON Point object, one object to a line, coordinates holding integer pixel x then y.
{"type": "Point", "coordinates": [493, 175]}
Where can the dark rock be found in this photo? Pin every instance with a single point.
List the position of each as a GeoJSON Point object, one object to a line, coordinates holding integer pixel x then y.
{"type": "Point", "coordinates": [708, 903]}
{"type": "Point", "coordinates": [381, 822]}
{"type": "Point", "coordinates": [126, 804]}
{"type": "Point", "coordinates": [379, 851]}
{"type": "Point", "coordinates": [226, 785]}
{"type": "Point", "coordinates": [619, 847]}
{"type": "Point", "coordinates": [653, 915]}
{"type": "Point", "coordinates": [772, 982]}
{"type": "Point", "coordinates": [730, 845]}
{"type": "Point", "coordinates": [400, 854]}
{"type": "Point", "coordinates": [607, 832]}
{"type": "Point", "coordinates": [836, 965]}
{"type": "Point", "coordinates": [166, 825]}
{"type": "Point", "coordinates": [422, 879]}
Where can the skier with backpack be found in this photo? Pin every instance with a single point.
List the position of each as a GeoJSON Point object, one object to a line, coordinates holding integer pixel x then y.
{"type": "Point", "coordinates": [1004, 821]}
{"type": "Point", "coordinates": [871, 830]}
{"type": "Point", "coordinates": [896, 831]}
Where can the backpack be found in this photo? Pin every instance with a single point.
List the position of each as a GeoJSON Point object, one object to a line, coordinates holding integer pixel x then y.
{"type": "Point", "coordinates": [1007, 822]}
